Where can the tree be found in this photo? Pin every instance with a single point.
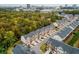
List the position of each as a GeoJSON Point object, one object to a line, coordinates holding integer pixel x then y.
{"type": "Point", "coordinates": [9, 38]}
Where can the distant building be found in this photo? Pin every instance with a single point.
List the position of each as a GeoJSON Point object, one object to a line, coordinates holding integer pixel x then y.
{"type": "Point", "coordinates": [46, 10]}
{"type": "Point", "coordinates": [28, 6]}
{"type": "Point", "coordinates": [74, 5]}
{"type": "Point", "coordinates": [66, 5]}
{"type": "Point", "coordinates": [17, 9]}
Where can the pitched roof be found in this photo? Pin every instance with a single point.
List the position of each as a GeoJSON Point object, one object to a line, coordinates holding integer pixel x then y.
{"type": "Point", "coordinates": [21, 49]}
{"type": "Point", "coordinates": [63, 33]}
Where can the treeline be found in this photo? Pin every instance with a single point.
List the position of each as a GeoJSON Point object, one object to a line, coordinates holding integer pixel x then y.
{"type": "Point", "coordinates": [13, 24]}
{"type": "Point", "coordinates": [72, 11]}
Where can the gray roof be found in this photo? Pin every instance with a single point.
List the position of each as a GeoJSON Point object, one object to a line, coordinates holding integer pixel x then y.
{"type": "Point", "coordinates": [63, 21]}
{"type": "Point", "coordinates": [21, 49]}
{"type": "Point", "coordinates": [67, 48]}
{"type": "Point", "coordinates": [63, 33]}
{"type": "Point", "coordinates": [77, 22]}
{"type": "Point", "coordinates": [74, 24]}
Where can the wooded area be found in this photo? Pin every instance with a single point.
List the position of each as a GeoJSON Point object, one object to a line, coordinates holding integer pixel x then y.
{"type": "Point", "coordinates": [13, 24]}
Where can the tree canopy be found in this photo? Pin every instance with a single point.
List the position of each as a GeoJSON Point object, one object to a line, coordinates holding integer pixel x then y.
{"type": "Point", "coordinates": [13, 24]}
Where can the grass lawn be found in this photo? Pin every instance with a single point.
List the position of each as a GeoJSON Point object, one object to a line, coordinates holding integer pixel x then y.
{"type": "Point", "coordinates": [76, 44]}
{"type": "Point", "coordinates": [43, 47]}
{"type": "Point", "coordinates": [74, 39]}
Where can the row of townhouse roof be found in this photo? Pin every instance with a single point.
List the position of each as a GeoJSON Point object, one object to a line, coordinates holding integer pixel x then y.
{"type": "Point", "coordinates": [56, 40]}
{"type": "Point", "coordinates": [61, 35]}
{"type": "Point", "coordinates": [27, 39]}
